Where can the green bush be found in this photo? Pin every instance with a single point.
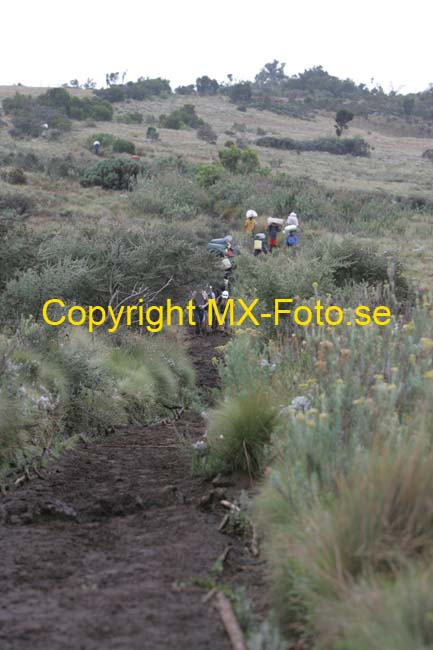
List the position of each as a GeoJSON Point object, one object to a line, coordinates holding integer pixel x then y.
{"type": "Point", "coordinates": [123, 146]}
{"type": "Point", "coordinates": [114, 174]}
{"type": "Point", "coordinates": [139, 90]}
{"type": "Point", "coordinates": [338, 146]}
{"type": "Point", "coordinates": [171, 195]}
{"type": "Point", "coordinates": [185, 90]}
{"type": "Point", "coordinates": [208, 174]}
{"type": "Point", "coordinates": [110, 142]}
{"type": "Point", "coordinates": [240, 92]}
{"type": "Point", "coordinates": [181, 118]}
{"type": "Point", "coordinates": [131, 118]}
{"type": "Point", "coordinates": [356, 262]}
{"type": "Point", "coordinates": [243, 161]}
{"type": "Point", "coordinates": [56, 107]}
{"type": "Point", "coordinates": [27, 122]}
{"type": "Point", "coordinates": [152, 134]}
{"type": "Point", "coordinates": [101, 113]}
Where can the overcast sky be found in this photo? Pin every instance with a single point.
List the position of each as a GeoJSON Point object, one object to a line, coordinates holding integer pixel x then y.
{"type": "Point", "coordinates": [49, 42]}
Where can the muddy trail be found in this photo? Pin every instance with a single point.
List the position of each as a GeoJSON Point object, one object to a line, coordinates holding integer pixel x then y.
{"type": "Point", "coordinates": [105, 552]}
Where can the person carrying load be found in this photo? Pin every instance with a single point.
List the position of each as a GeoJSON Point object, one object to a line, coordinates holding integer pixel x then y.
{"type": "Point", "coordinates": [274, 227]}
{"type": "Point", "coordinates": [221, 305]}
{"type": "Point", "coordinates": [292, 239]}
{"type": "Point", "coordinates": [259, 244]}
{"type": "Point", "coordinates": [292, 219]}
{"type": "Point", "coordinates": [250, 222]}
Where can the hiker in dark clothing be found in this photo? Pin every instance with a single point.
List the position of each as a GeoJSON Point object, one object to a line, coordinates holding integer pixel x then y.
{"type": "Point", "coordinates": [200, 301]}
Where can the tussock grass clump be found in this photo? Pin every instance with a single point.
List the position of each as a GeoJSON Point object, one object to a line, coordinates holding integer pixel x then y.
{"type": "Point", "coordinates": [381, 518]}
{"type": "Point", "coordinates": [240, 431]}
{"type": "Point", "coordinates": [379, 522]}
{"type": "Point", "coordinates": [383, 616]}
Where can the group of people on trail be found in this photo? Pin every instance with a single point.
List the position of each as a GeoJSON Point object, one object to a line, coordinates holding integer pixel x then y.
{"type": "Point", "coordinates": [262, 243]}
{"type": "Point", "coordinates": [274, 227]}
{"type": "Point", "coordinates": [203, 322]}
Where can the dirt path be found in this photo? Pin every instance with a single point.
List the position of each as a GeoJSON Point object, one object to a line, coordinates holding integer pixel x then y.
{"type": "Point", "coordinates": [103, 553]}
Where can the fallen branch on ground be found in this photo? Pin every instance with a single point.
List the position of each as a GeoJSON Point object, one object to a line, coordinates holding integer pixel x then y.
{"type": "Point", "coordinates": [230, 505]}
{"type": "Point", "coordinates": [231, 624]}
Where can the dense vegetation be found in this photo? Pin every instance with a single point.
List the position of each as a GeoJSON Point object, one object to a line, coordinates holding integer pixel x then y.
{"type": "Point", "coordinates": [333, 422]}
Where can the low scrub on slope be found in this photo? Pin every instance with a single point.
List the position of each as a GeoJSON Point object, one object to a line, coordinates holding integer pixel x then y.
{"type": "Point", "coordinates": [337, 146]}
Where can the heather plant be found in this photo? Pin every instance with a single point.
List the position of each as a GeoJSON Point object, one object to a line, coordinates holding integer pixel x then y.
{"type": "Point", "coordinates": [171, 195]}
{"type": "Point", "coordinates": [113, 174]}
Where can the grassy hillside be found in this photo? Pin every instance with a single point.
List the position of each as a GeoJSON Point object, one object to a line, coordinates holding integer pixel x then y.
{"type": "Point", "coordinates": [334, 423]}
{"type": "Point", "coordinates": [395, 167]}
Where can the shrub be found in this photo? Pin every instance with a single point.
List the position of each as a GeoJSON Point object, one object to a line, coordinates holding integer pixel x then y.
{"type": "Point", "coordinates": [240, 431]}
{"type": "Point", "coordinates": [206, 86]}
{"type": "Point", "coordinates": [18, 248]}
{"type": "Point", "coordinates": [28, 161]}
{"type": "Point", "coordinates": [244, 161]}
{"type": "Point", "coordinates": [17, 203]}
{"type": "Point", "coordinates": [123, 146]}
{"type": "Point", "coordinates": [55, 107]}
{"type": "Point", "coordinates": [171, 195]}
{"type": "Point", "coordinates": [181, 118]}
{"type": "Point", "coordinates": [205, 132]}
{"type": "Point", "coordinates": [342, 119]}
{"type": "Point", "coordinates": [27, 122]}
{"type": "Point", "coordinates": [111, 142]}
{"type": "Point", "coordinates": [152, 134]}
{"type": "Point", "coordinates": [14, 176]}
{"type": "Point", "coordinates": [208, 174]}
{"type": "Point", "coordinates": [240, 92]}
{"type": "Point", "coordinates": [131, 118]}
{"type": "Point", "coordinates": [230, 157]}
{"type": "Point", "coordinates": [147, 87]}
{"type": "Point", "coordinates": [101, 113]}
{"type": "Point", "coordinates": [75, 107]}
{"type": "Point", "coordinates": [356, 262]}
{"type": "Point", "coordinates": [115, 174]}
{"type": "Point", "coordinates": [428, 154]}
{"type": "Point", "coordinates": [338, 146]}
{"type": "Point", "coordinates": [58, 167]}
{"type": "Point", "coordinates": [113, 94]}
{"type": "Point", "coordinates": [185, 90]}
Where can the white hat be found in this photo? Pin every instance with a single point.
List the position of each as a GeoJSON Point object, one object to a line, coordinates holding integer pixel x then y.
{"type": "Point", "coordinates": [225, 294]}
{"type": "Point", "coordinates": [251, 214]}
{"type": "Point", "coordinates": [290, 228]}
